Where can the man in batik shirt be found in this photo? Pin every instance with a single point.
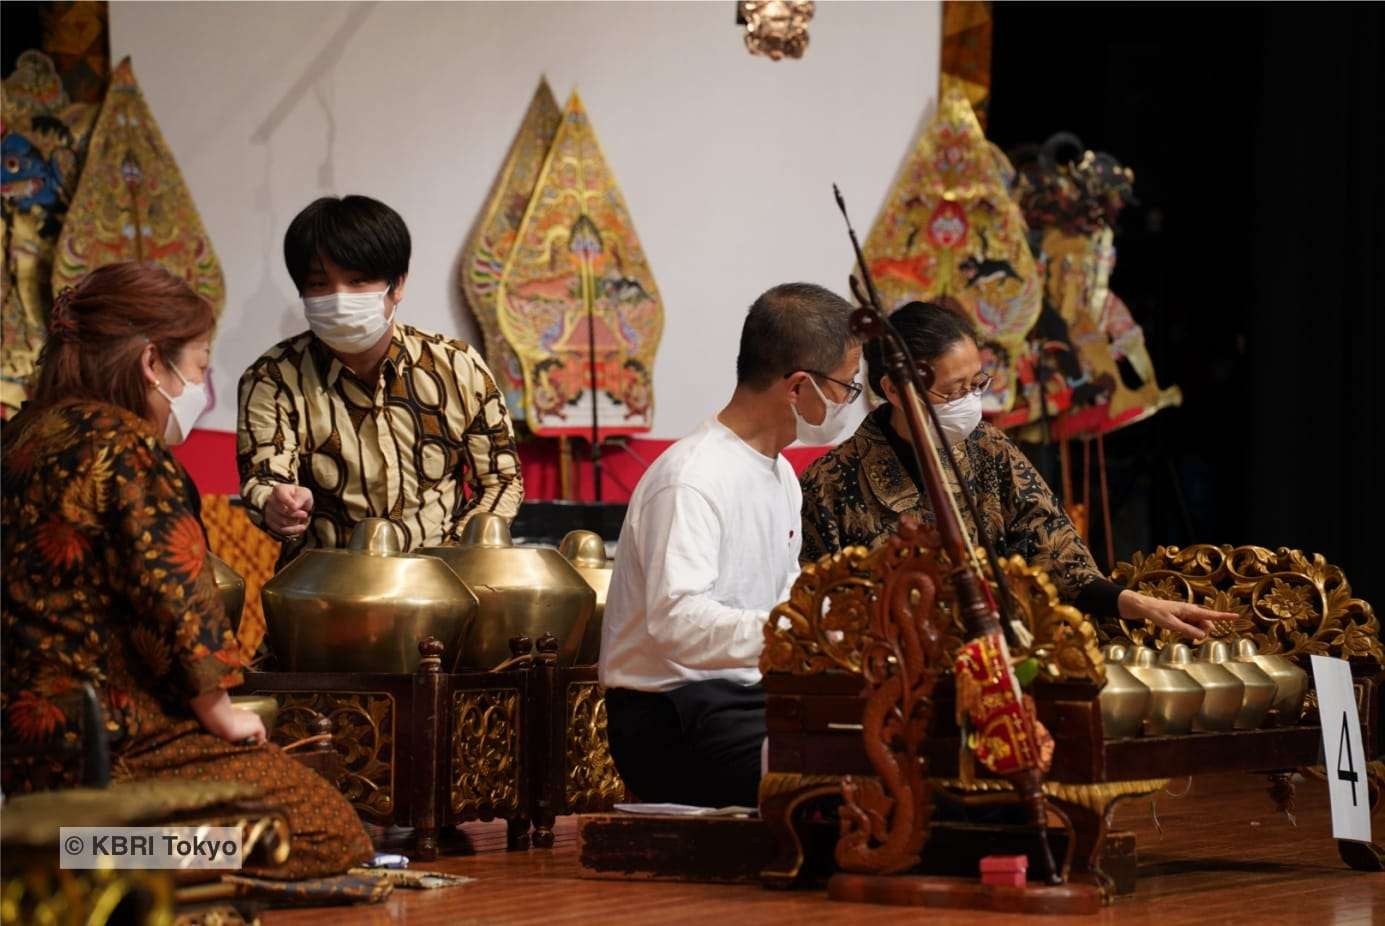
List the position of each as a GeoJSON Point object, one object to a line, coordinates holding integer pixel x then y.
{"type": "Point", "coordinates": [361, 415]}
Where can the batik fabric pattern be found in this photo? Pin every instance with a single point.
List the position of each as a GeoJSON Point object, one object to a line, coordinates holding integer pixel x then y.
{"type": "Point", "coordinates": [325, 834]}
{"type": "Point", "coordinates": [251, 554]}
{"type": "Point", "coordinates": [104, 578]}
{"type": "Point", "coordinates": [856, 494]}
{"type": "Point", "coordinates": [106, 583]}
{"type": "Point", "coordinates": [407, 447]}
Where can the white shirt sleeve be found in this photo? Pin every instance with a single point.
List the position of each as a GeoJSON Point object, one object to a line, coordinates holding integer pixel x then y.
{"type": "Point", "coordinates": [796, 509]}
{"type": "Point", "coordinates": [788, 582]}
{"type": "Point", "coordinates": [680, 536]}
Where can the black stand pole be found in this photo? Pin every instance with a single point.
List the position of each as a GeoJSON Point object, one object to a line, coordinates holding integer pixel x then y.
{"type": "Point", "coordinates": [596, 431]}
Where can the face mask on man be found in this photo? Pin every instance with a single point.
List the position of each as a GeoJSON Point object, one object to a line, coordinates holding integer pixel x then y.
{"type": "Point", "coordinates": [959, 417]}
{"type": "Point", "coordinates": [349, 323]}
{"type": "Point", "coordinates": [184, 408]}
{"type": "Point", "coordinates": [833, 425]}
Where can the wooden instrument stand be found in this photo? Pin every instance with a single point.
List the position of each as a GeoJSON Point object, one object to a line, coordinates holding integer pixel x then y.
{"type": "Point", "coordinates": [433, 749]}
{"type": "Point", "coordinates": [814, 741]}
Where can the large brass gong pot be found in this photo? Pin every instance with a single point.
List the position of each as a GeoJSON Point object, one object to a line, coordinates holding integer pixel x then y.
{"type": "Point", "coordinates": [230, 587]}
{"type": "Point", "coordinates": [587, 553]}
{"type": "Point", "coordinates": [524, 591]}
{"type": "Point", "coordinates": [365, 608]}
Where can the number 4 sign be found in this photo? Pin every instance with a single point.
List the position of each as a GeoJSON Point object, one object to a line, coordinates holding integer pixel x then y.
{"type": "Point", "coordinates": [1343, 753]}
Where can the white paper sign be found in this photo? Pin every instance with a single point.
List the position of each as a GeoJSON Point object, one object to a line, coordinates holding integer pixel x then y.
{"type": "Point", "coordinates": [1344, 758]}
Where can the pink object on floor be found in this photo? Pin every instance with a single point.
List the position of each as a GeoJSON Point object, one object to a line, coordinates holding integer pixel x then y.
{"type": "Point", "coordinates": [1010, 878]}
{"type": "Point", "coordinates": [1004, 869]}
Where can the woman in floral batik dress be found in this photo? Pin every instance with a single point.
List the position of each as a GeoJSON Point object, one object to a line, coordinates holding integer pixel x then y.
{"type": "Point", "coordinates": [105, 573]}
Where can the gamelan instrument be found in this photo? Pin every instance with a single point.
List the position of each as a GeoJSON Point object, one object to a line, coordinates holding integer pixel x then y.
{"type": "Point", "coordinates": [890, 682]}
{"type": "Point", "coordinates": [587, 553]}
{"type": "Point", "coordinates": [445, 676]}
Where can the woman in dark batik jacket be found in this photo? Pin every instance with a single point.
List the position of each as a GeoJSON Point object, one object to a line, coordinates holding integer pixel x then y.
{"type": "Point", "coordinates": [105, 564]}
{"type": "Point", "coordinates": [855, 495]}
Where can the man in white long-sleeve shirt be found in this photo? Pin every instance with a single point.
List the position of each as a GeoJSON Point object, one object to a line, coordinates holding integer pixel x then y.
{"type": "Point", "coordinates": [710, 544]}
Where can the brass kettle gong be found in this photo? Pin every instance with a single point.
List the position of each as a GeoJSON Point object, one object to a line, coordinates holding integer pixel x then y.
{"type": "Point", "coordinates": [230, 587]}
{"type": "Point", "coordinates": [523, 591]}
{"type": "Point", "coordinates": [587, 553]}
{"type": "Point", "coordinates": [365, 608]}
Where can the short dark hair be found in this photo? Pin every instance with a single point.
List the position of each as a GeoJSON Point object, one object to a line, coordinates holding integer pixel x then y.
{"type": "Point", "coordinates": [355, 232]}
{"type": "Point", "coordinates": [794, 326]}
{"type": "Point", "coordinates": [929, 329]}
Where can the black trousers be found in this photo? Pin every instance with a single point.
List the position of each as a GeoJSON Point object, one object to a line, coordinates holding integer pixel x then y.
{"type": "Point", "coordinates": [698, 744]}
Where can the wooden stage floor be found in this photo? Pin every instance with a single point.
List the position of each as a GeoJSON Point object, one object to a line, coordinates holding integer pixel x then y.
{"type": "Point", "coordinates": [1224, 856]}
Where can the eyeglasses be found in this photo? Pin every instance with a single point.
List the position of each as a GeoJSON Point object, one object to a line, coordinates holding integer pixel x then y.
{"type": "Point", "coordinates": [978, 386]}
{"type": "Point", "coordinates": [853, 388]}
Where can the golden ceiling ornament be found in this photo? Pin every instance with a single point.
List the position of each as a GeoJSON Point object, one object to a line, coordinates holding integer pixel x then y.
{"type": "Point", "coordinates": [776, 28]}
{"type": "Point", "coordinates": [1287, 602]}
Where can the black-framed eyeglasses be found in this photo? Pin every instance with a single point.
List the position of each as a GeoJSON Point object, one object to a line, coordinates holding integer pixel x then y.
{"type": "Point", "coordinates": [977, 386]}
{"type": "Point", "coordinates": [853, 388]}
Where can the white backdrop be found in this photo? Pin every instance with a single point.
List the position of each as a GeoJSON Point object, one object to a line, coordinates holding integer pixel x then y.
{"type": "Point", "coordinates": [726, 160]}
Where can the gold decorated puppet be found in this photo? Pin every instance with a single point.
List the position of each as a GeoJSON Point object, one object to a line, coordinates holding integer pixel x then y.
{"type": "Point", "coordinates": [490, 242]}
{"type": "Point", "coordinates": [577, 301]}
{"type": "Point", "coordinates": [44, 140]}
{"type": "Point", "coordinates": [949, 229]}
{"type": "Point", "coordinates": [1085, 328]}
{"type": "Point", "coordinates": [131, 203]}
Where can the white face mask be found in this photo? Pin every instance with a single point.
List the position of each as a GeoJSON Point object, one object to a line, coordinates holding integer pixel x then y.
{"type": "Point", "coordinates": [959, 417]}
{"type": "Point", "coordinates": [349, 323]}
{"type": "Point", "coordinates": [184, 409]}
{"type": "Point", "coordinates": [833, 423]}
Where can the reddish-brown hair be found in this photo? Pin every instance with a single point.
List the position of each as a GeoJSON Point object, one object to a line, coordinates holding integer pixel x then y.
{"type": "Point", "coordinates": [99, 328]}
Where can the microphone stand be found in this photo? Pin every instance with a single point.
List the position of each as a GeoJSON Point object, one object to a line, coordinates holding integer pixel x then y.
{"type": "Point", "coordinates": [978, 608]}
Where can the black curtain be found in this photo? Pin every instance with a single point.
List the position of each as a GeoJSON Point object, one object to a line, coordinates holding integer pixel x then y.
{"type": "Point", "coordinates": [1313, 471]}
{"type": "Point", "coordinates": [1253, 259]}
